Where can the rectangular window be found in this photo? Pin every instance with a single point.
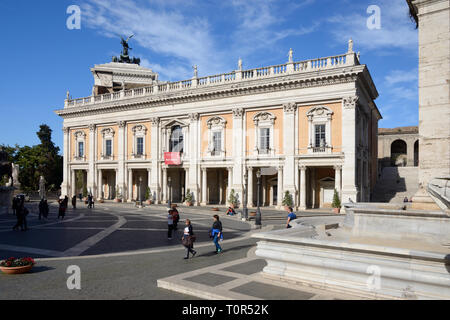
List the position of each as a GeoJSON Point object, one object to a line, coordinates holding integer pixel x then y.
{"type": "Point", "coordinates": [140, 146]}
{"type": "Point", "coordinates": [81, 149]}
{"type": "Point", "coordinates": [264, 140]}
{"type": "Point", "coordinates": [217, 142]}
{"type": "Point", "coordinates": [320, 135]}
{"type": "Point", "coordinates": [108, 147]}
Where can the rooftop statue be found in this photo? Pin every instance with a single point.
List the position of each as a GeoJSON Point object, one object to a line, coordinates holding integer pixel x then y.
{"type": "Point", "coordinates": [124, 58]}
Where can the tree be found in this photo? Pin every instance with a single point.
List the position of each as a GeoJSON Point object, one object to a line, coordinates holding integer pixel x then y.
{"type": "Point", "coordinates": [232, 199]}
{"type": "Point", "coordinates": [287, 200]}
{"type": "Point", "coordinates": [336, 201]}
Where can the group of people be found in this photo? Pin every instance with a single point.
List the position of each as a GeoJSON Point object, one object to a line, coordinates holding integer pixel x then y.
{"type": "Point", "coordinates": [21, 212]}
{"type": "Point", "coordinates": [188, 239]}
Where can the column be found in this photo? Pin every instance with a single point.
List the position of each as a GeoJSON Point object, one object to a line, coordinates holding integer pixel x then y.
{"type": "Point", "coordinates": [66, 173]}
{"type": "Point", "coordinates": [130, 185]}
{"type": "Point", "coordinates": [238, 154]}
{"type": "Point", "coordinates": [302, 188]}
{"type": "Point", "coordinates": [91, 172]}
{"type": "Point", "coordinates": [100, 185]}
{"type": "Point", "coordinates": [280, 187]}
{"type": "Point", "coordinates": [149, 182]}
{"type": "Point", "coordinates": [250, 188]}
{"type": "Point", "coordinates": [410, 152]}
{"type": "Point", "coordinates": [73, 183]}
{"type": "Point", "coordinates": [230, 181]}
{"type": "Point", "coordinates": [120, 172]}
{"type": "Point", "coordinates": [164, 187]}
{"type": "Point", "coordinates": [194, 158]}
{"type": "Point", "coordinates": [264, 190]}
{"type": "Point", "coordinates": [313, 187]}
{"type": "Point", "coordinates": [155, 184]}
{"type": "Point", "coordinates": [349, 189]}
{"type": "Point", "coordinates": [289, 146]}
{"type": "Point", "coordinates": [204, 187]}
{"type": "Point", "coordinates": [337, 180]}
{"type": "Point", "coordinates": [220, 173]}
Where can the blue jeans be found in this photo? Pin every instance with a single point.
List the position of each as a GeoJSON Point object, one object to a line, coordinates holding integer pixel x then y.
{"type": "Point", "coordinates": [216, 242]}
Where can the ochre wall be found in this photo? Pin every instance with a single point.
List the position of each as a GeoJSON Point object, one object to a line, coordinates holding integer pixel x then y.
{"type": "Point", "coordinates": [130, 138]}
{"type": "Point", "coordinates": [73, 145]}
{"type": "Point", "coordinates": [277, 130]}
{"type": "Point", "coordinates": [336, 127]}
{"type": "Point", "coordinates": [228, 134]}
{"type": "Point", "coordinates": [100, 141]}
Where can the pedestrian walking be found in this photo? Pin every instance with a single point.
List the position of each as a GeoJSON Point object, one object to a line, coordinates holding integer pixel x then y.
{"type": "Point", "coordinates": [90, 201]}
{"type": "Point", "coordinates": [21, 213]}
{"type": "Point", "coordinates": [188, 239]}
{"type": "Point", "coordinates": [169, 224]}
{"type": "Point", "coordinates": [216, 233]}
{"type": "Point", "coordinates": [176, 217]}
{"type": "Point", "coordinates": [62, 207]}
{"type": "Point", "coordinates": [41, 209]}
{"type": "Point", "coordinates": [291, 216]}
{"type": "Point", "coordinates": [74, 202]}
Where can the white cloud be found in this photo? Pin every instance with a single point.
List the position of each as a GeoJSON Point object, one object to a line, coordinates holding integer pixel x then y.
{"type": "Point", "coordinates": [401, 76]}
{"type": "Point", "coordinates": [397, 31]}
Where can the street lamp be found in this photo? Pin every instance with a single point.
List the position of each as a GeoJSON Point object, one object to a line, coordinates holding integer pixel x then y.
{"type": "Point", "coordinates": [258, 210]}
{"type": "Point", "coordinates": [140, 189]}
{"type": "Point", "coordinates": [245, 209]}
{"type": "Point", "coordinates": [169, 201]}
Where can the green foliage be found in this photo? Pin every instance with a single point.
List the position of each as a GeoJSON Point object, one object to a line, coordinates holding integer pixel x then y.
{"type": "Point", "coordinates": [233, 198]}
{"type": "Point", "coordinates": [85, 191]}
{"type": "Point", "coordinates": [39, 160]}
{"type": "Point", "coordinates": [189, 196]}
{"type": "Point", "coordinates": [287, 200]}
{"type": "Point", "coordinates": [336, 201]}
{"type": "Point", "coordinates": [147, 194]}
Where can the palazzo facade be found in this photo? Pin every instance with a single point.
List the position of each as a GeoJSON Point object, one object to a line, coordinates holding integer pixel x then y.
{"type": "Point", "coordinates": [310, 127]}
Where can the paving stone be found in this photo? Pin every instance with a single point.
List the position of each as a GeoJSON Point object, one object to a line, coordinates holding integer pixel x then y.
{"type": "Point", "coordinates": [270, 292]}
{"type": "Point", "coordinates": [248, 268]}
{"type": "Point", "coordinates": [210, 279]}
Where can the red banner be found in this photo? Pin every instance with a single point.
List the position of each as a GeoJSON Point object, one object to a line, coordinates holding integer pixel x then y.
{"type": "Point", "coordinates": [172, 158]}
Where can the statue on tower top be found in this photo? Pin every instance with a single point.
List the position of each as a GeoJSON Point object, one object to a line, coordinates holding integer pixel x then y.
{"type": "Point", "coordinates": [124, 57]}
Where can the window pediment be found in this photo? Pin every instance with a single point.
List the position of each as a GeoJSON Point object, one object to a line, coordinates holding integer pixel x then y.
{"type": "Point", "coordinates": [139, 129]}
{"type": "Point", "coordinates": [108, 132]}
{"type": "Point", "coordinates": [319, 111]}
{"type": "Point", "coordinates": [264, 116]}
{"type": "Point", "coordinates": [216, 122]}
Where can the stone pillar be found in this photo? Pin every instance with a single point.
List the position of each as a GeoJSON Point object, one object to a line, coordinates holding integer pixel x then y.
{"type": "Point", "coordinates": [195, 156]}
{"type": "Point", "coordinates": [410, 152]}
{"type": "Point", "coordinates": [100, 185]}
{"type": "Point", "coordinates": [349, 189]}
{"type": "Point", "coordinates": [289, 147]}
{"type": "Point", "coordinates": [280, 187]}
{"type": "Point", "coordinates": [91, 172]}
{"type": "Point", "coordinates": [155, 183]}
{"type": "Point", "coordinates": [220, 177]}
{"type": "Point", "coordinates": [204, 187]}
{"type": "Point", "coordinates": [230, 181]}
{"type": "Point", "coordinates": [149, 181]}
{"type": "Point", "coordinates": [337, 179]}
{"type": "Point", "coordinates": [238, 153]}
{"type": "Point", "coordinates": [302, 188]}
{"type": "Point", "coordinates": [73, 183]}
{"type": "Point", "coordinates": [164, 186]}
{"type": "Point", "coordinates": [121, 145]}
{"type": "Point", "coordinates": [250, 203]}
{"type": "Point", "coordinates": [130, 185]}
{"type": "Point", "coordinates": [313, 186]}
{"type": "Point", "coordinates": [66, 173]}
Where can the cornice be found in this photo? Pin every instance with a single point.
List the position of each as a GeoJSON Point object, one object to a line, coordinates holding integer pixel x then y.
{"type": "Point", "coordinates": [282, 83]}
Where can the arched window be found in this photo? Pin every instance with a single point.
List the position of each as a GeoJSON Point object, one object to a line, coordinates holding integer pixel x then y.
{"type": "Point", "coordinates": [399, 153]}
{"type": "Point", "coordinates": [176, 139]}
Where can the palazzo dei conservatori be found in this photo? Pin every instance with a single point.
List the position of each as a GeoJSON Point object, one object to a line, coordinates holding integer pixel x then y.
{"type": "Point", "coordinates": [306, 127]}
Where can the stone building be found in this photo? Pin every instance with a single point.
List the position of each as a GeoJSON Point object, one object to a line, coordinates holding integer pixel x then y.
{"type": "Point", "coordinates": [433, 21]}
{"type": "Point", "coordinates": [398, 147]}
{"type": "Point", "coordinates": [308, 126]}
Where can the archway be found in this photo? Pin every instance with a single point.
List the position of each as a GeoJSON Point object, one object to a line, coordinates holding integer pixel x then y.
{"type": "Point", "coordinates": [416, 153]}
{"type": "Point", "coordinates": [399, 153]}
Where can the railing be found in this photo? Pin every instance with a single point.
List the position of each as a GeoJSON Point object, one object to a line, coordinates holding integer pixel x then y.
{"type": "Point", "coordinates": [235, 76]}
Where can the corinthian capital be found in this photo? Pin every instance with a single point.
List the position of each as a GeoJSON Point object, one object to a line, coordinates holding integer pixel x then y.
{"type": "Point", "coordinates": [194, 117]}
{"type": "Point", "coordinates": [92, 127]}
{"type": "Point", "coordinates": [66, 130]}
{"type": "Point", "coordinates": [290, 107]}
{"type": "Point", "coordinates": [350, 102]}
{"type": "Point", "coordinates": [122, 124]}
{"type": "Point", "coordinates": [154, 121]}
{"type": "Point", "coordinates": [238, 113]}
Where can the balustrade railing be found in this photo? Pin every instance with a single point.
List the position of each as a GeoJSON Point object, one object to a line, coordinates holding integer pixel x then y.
{"type": "Point", "coordinates": [235, 76]}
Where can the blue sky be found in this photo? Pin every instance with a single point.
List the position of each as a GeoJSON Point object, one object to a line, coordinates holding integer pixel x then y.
{"type": "Point", "coordinates": [42, 59]}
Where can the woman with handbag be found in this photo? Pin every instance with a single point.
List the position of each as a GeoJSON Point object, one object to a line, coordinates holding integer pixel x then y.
{"type": "Point", "coordinates": [188, 239]}
{"type": "Point", "coordinates": [216, 233]}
